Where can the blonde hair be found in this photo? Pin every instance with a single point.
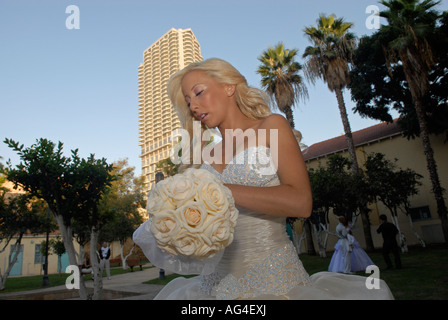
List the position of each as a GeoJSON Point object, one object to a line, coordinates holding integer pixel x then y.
{"type": "Point", "coordinates": [252, 102]}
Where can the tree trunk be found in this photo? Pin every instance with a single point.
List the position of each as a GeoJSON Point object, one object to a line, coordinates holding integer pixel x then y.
{"type": "Point", "coordinates": [355, 167]}
{"type": "Point", "coordinates": [296, 240]}
{"type": "Point", "coordinates": [12, 259]}
{"type": "Point", "coordinates": [123, 258]}
{"type": "Point", "coordinates": [97, 272]}
{"type": "Point", "coordinates": [81, 254]}
{"type": "Point", "coordinates": [67, 238]}
{"type": "Point", "coordinates": [321, 237]}
{"type": "Point", "coordinates": [289, 116]}
{"type": "Point", "coordinates": [416, 71]}
{"type": "Point", "coordinates": [411, 224]}
{"type": "Point", "coordinates": [309, 237]}
{"type": "Point", "coordinates": [364, 212]}
{"type": "Point", "coordinates": [347, 130]}
{"type": "Point", "coordinates": [432, 167]}
{"type": "Point", "coordinates": [401, 236]}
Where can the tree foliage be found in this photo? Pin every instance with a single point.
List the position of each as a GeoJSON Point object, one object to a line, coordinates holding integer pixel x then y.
{"type": "Point", "coordinates": [71, 186]}
{"type": "Point", "coordinates": [391, 185]}
{"type": "Point", "coordinates": [379, 86]}
{"type": "Point", "coordinates": [281, 79]}
{"type": "Point", "coordinates": [19, 215]}
{"type": "Point", "coordinates": [124, 201]}
{"type": "Point", "coordinates": [330, 55]}
{"type": "Point", "coordinates": [336, 188]}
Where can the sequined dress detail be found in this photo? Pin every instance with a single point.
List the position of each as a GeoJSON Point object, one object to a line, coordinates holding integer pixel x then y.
{"type": "Point", "coordinates": [261, 260]}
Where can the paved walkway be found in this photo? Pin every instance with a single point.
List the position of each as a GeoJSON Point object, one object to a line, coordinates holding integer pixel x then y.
{"type": "Point", "coordinates": [126, 286]}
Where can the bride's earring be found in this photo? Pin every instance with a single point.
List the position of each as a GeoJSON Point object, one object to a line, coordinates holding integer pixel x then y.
{"type": "Point", "coordinates": [230, 90]}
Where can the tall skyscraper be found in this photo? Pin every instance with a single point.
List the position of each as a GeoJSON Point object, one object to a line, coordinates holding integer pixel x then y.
{"type": "Point", "coordinates": [157, 118]}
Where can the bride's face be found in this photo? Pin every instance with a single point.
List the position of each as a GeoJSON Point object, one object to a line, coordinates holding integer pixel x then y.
{"type": "Point", "coordinates": [207, 99]}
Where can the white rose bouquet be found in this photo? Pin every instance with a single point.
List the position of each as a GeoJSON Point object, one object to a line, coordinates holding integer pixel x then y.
{"type": "Point", "coordinates": [193, 214]}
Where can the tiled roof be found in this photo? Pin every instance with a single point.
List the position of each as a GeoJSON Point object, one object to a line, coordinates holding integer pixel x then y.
{"type": "Point", "coordinates": [361, 137]}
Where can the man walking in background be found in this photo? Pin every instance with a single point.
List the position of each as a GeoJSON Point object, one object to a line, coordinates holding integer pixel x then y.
{"type": "Point", "coordinates": [389, 233]}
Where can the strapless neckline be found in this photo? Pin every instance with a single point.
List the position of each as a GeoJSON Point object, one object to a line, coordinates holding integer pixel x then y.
{"type": "Point", "coordinates": [238, 158]}
{"type": "Point", "coordinates": [253, 166]}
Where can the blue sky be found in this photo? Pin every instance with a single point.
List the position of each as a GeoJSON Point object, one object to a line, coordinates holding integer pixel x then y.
{"type": "Point", "coordinates": [79, 86]}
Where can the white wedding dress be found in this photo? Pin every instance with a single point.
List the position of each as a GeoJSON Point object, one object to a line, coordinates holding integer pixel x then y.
{"type": "Point", "coordinates": [261, 263]}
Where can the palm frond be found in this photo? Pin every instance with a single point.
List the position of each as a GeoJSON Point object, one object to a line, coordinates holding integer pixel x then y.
{"type": "Point", "coordinates": [281, 77]}
{"type": "Point", "coordinates": [331, 54]}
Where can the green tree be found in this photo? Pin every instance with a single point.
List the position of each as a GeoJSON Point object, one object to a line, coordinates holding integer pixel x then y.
{"type": "Point", "coordinates": [345, 191]}
{"type": "Point", "coordinates": [330, 59]}
{"type": "Point", "coordinates": [377, 88]}
{"type": "Point", "coordinates": [374, 87]}
{"type": "Point", "coordinates": [281, 78]}
{"type": "Point", "coordinates": [321, 188]}
{"type": "Point", "coordinates": [391, 185]}
{"type": "Point", "coordinates": [167, 167]}
{"type": "Point", "coordinates": [56, 247]}
{"type": "Point", "coordinates": [124, 202]}
{"type": "Point", "coordinates": [411, 22]}
{"type": "Point", "coordinates": [335, 187]}
{"type": "Point", "coordinates": [19, 214]}
{"type": "Point", "coordinates": [72, 187]}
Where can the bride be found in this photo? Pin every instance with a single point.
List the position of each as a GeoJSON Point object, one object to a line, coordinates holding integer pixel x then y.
{"type": "Point", "coordinates": [261, 262]}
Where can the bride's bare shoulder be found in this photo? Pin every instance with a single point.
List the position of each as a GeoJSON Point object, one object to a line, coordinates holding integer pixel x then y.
{"type": "Point", "coordinates": [274, 121]}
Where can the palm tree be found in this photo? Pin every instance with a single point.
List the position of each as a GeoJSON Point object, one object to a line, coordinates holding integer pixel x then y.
{"type": "Point", "coordinates": [329, 59]}
{"type": "Point", "coordinates": [281, 78]}
{"type": "Point", "coordinates": [411, 23]}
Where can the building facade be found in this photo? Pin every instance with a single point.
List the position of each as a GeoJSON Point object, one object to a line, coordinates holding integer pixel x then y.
{"type": "Point", "coordinates": [157, 118]}
{"type": "Point", "coordinates": [387, 138]}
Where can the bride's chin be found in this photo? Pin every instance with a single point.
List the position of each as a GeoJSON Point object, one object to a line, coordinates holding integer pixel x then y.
{"type": "Point", "coordinates": [210, 124]}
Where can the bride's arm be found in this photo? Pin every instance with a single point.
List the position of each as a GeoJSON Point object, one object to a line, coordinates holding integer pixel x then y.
{"type": "Point", "coordinates": [292, 198]}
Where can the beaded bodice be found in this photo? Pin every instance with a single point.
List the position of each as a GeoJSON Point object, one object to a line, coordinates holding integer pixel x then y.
{"type": "Point", "coordinates": [261, 260]}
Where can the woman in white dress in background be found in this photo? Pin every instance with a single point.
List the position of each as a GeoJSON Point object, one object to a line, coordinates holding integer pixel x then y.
{"type": "Point", "coordinates": [348, 256]}
{"type": "Point", "coordinates": [269, 182]}
{"type": "Point", "coordinates": [340, 261]}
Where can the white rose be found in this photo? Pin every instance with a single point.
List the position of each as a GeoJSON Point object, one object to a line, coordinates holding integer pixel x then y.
{"type": "Point", "coordinates": [180, 189]}
{"type": "Point", "coordinates": [192, 216]}
{"type": "Point", "coordinates": [220, 230]}
{"type": "Point", "coordinates": [158, 199]}
{"type": "Point", "coordinates": [199, 174]}
{"type": "Point", "coordinates": [187, 243]}
{"type": "Point", "coordinates": [164, 226]}
{"type": "Point", "coordinates": [212, 194]}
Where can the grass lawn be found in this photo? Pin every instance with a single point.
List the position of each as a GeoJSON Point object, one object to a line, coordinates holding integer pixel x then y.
{"type": "Point", "coordinates": [423, 276]}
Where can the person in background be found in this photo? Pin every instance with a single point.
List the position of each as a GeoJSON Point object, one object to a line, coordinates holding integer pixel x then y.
{"type": "Point", "coordinates": [104, 253]}
{"type": "Point", "coordinates": [389, 233]}
{"type": "Point", "coordinates": [340, 261]}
